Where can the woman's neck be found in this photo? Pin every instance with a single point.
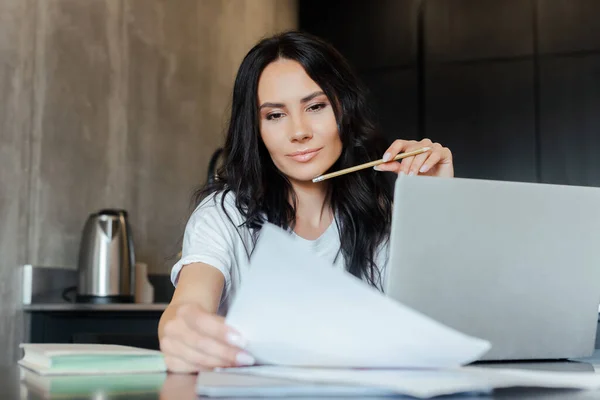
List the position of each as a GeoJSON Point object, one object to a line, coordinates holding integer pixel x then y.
{"type": "Point", "coordinates": [313, 208]}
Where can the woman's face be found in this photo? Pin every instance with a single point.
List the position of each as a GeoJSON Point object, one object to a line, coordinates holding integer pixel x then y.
{"type": "Point", "coordinates": [297, 123]}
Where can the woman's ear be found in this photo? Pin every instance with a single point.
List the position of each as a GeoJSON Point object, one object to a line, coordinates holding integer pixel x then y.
{"type": "Point", "coordinates": [212, 165]}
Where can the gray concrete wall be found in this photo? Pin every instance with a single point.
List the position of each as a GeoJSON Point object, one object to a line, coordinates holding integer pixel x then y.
{"type": "Point", "coordinates": [111, 103]}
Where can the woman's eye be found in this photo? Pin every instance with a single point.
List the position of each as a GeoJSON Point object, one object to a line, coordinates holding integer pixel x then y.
{"type": "Point", "coordinates": [316, 107]}
{"type": "Point", "coordinates": [273, 116]}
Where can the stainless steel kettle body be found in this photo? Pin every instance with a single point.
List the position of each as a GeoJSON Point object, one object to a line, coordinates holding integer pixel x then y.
{"type": "Point", "coordinates": [106, 259]}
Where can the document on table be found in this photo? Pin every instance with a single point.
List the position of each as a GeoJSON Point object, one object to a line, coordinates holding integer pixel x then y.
{"type": "Point", "coordinates": [423, 383]}
{"type": "Point", "coordinates": [296, 309]}
{"type": "Point", "coordinates": [228, 384]}
{"type": "Point", "coordinates": [320, 331]}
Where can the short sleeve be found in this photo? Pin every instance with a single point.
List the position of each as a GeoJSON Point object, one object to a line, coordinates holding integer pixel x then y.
{"type": "Point", "coordinates": [208, 238]}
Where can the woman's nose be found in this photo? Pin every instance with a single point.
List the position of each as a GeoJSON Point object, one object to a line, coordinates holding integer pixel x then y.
{"type": "Point", "coordinates": [301, 131]}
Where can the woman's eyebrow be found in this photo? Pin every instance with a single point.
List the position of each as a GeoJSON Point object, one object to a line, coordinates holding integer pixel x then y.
{"type": "Point", "coordinates": [305, 99]}
{"type": "Point", "coordinates": [272, 105]}
{"type": "Point", "coordinates": [311, 96]}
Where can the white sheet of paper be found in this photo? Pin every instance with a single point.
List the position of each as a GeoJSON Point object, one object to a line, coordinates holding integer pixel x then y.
{"type": "Point", "coordinates": [218, 384]}
{"type": "Point", "coordinates": [429, 383]}
{"type": "Point", "coordinates": [295, 309]}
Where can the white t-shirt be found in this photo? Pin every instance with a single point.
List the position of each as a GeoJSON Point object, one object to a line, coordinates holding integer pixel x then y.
{"type": "Point", "coordinates": [211, 238]}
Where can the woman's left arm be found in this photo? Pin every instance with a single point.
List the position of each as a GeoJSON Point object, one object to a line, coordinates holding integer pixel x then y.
{"type": "Point", "coordinates": [435, 162]}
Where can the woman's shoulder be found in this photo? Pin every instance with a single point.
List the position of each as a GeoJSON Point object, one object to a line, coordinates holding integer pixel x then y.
{"type": "Point", "coordinates": [220, 204]}
{"type": "Point", "coordinates": [218, 198]}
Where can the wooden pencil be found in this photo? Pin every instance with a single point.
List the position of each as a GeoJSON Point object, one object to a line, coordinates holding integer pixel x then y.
{"type": "Point", "coordinates": [370, 164]}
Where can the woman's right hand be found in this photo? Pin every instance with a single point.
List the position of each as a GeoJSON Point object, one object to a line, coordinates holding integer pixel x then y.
{"type": "Point", "coordinates": [196, 340]}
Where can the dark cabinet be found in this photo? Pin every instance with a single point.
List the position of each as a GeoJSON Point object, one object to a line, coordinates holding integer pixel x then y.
{"type": "Point", "coordinates": [371, 34]}
{"type": "Point", "coordinates": [134, 326]}
{"type": "Point", "coordinates": [512, 87]}
{"type": "Point", "coordinates": [484, 112]}
{"type": "Point", "coordinates": [568, 25]}
{"type": "Point", "coordinates": [394, 99]}
{"type": "Point", "coordinates": [458, 30]}
{"type": "Point", "coordinates": [570, 119]}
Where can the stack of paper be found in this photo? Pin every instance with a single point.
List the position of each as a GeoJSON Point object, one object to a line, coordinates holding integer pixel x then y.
{"type": "Point", "coordinates": [425, 383]}
{"type": "Point", "coordinates": [90, 386]}
{"type": "Point", "coordinates": [296, 310]}
{"type": "Point", "coordinates": [230, 384]}
{"type": "Point", "coordinates": [309, 323]}
{"type": "Point", "coordinates": [81, 359]}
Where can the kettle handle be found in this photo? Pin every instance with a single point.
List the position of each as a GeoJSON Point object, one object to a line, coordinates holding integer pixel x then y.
{"type": "Point", "coordinates": [129, 237]}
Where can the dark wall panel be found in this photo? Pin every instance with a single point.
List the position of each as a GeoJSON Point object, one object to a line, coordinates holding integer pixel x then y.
{"type": "Point", "coordinates": [474, 29]}
{"type": "Point", "coordinates": [394, 98]}
{"type": "Point", "coordinates": [506, 112]}
{"type": "Point", "coordinates": [570, 120]}
{"type": "Point", "coordinates": [569, 25]}
{"type": "Point", "coordinates": [370, 34]}
{"type": "Point", "coordinates": [485, 114]}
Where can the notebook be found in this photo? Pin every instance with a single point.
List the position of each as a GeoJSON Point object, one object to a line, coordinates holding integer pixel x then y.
{"type": "Point", "coordinates": [81, 359]}
{"type": "Point", "coordinates": [88, 386]}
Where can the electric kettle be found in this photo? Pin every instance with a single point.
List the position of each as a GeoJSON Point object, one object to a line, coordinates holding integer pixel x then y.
{"type": "Point", "coordinates": [106, 269]}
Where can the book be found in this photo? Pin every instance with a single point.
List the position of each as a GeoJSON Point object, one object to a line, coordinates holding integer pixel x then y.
{"type": "Point", "coordinates": [88, 386]}
{"type": "Point", "coordinates": [86, 359]}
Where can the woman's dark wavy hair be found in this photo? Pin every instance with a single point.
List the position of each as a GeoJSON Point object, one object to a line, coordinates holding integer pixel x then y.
{"type": "Point", "coordinates": [361, 201]}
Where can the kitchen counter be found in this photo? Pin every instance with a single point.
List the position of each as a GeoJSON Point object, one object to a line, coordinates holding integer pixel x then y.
{"type": "Point", "coordinates": [123, 323]}
{"type": "Point", "coordinates": [96, 307]}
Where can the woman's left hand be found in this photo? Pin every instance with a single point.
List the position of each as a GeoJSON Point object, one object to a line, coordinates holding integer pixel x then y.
{"type": "Point", "coordinates": [435, 162]}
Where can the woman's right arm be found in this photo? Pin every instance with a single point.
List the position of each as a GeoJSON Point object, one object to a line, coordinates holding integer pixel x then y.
{"type": "Point", "coordinates": [192, 337]}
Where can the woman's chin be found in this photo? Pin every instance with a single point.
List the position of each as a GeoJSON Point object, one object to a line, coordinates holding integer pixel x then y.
{"type": "Point", "coordinates": [304, 176]}
{"type": "Point", "coordinates": [302, 179]}
{"type": "Point", "coordinates": [305, 172]}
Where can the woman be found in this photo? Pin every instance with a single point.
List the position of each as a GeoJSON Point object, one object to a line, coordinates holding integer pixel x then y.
{"type": "Point", "coordinates": [297, 112]}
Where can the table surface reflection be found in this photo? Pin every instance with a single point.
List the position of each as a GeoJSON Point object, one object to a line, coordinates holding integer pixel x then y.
{"type": "Point", "coordinates": [19, 383]}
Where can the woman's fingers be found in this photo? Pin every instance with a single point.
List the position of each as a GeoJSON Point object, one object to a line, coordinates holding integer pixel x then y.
{"type": "Point", "coordinates": [441, 165]}
{"type": "Point", "coordinates": [437, 161]}
{"type": "Point", "coordinates": [210, 325]}
{"type": "Point", "coordinates": [178, 366]}
{"type": "Point", "coordinates": [190, 356]}
{"type": "Point", "coordinates": [196, 340]}
{"type": "Point", "coordinates": [396, 147]}
{"type": "Point", "coordinates": [211, 335]}
{"type": "Point", "coordinates": [408, 164]}
{"type": "Point", "coordinates": [430, 162]}
{"type": "Point", "coordinates": [228, 355]}
{"type": "Point", "coordinates": [417, 161]}
{"type": "Point", "coordinates": [429, 158]}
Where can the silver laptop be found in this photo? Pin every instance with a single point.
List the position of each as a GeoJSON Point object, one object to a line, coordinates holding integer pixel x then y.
{"type": "Point", "coordinates": [515, 263]}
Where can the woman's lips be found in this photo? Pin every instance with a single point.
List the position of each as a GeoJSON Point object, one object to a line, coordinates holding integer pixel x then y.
{"type": "Point", "coordinates": [305, 155]}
